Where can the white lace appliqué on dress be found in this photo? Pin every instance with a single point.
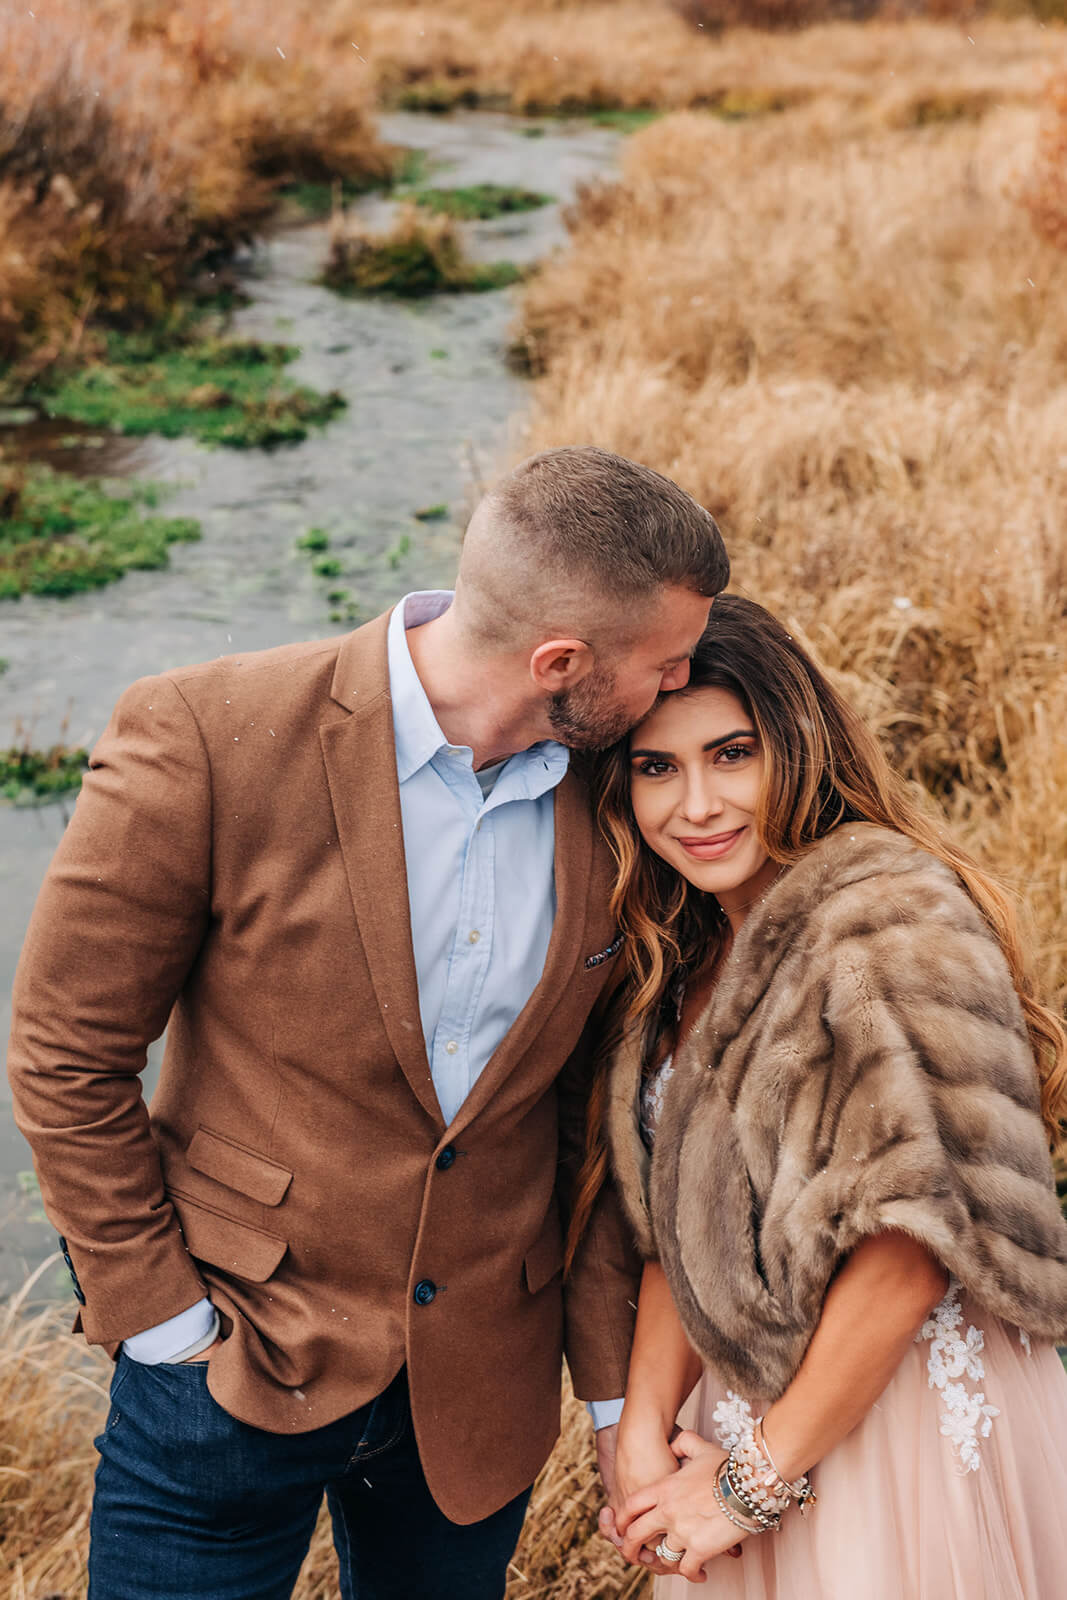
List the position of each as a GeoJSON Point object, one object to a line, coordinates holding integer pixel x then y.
{"type": "Point", "coordinates": [965, 1416]}
{"type": "Point", "coordinates": [733, 1420]}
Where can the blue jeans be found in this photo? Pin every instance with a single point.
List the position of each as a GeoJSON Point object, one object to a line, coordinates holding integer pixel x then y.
{"type": "Point", "coordinates": [191, 1504]}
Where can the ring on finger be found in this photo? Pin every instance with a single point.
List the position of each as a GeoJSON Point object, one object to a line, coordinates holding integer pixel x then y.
{"type": "Point", "coordinates": [665, 1553]}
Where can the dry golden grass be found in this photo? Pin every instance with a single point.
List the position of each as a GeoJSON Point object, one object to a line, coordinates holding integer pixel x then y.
{"type": "Point", "coordinates": [640, 53]}
{"type": "Point", "coordinates": [53, 1401]}
{"type": "Point", "coordinates": [1047, 193]}
{"type": "Point", "coordinates": [853, 348]}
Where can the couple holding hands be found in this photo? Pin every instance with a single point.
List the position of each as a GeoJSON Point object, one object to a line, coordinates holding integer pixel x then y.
{"type": "Point", "coordinates": [542, 953]}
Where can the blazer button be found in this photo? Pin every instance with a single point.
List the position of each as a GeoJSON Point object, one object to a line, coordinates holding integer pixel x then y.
{"type": "Point", "coordinates": [445, 1159]}
{"type": "Point", "coordinates": [425, 1291]}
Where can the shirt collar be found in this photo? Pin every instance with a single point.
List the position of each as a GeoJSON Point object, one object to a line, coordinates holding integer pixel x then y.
{"type": "Point", "coordinates": [416, 731]}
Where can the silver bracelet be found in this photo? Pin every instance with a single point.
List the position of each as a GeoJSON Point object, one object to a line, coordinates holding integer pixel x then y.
{"type": "Point", "coordinates": [740, 1518]}
{"type": "Point", "coordinates": [733, 1489]}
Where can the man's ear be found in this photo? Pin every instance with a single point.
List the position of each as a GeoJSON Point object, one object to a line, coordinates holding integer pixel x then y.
{"type": "Point", "coordinates": [559, 664]}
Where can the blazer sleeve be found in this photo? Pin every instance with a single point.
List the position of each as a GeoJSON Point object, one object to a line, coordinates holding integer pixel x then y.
{"type": "Point", "coordinates": [600, 1291]}
{"type": "Point", "coordinates": [116, 928]}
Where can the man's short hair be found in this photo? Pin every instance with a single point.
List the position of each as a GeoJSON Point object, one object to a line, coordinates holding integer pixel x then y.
{"type": "Point", "coordinates": [579, 524]}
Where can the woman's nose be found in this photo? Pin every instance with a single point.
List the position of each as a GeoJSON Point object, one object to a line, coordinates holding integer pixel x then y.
{"type": "Point", "coordinates": [701, 799]}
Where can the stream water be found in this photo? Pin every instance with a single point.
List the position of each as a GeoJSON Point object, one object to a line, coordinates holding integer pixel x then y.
{"type": "Point", "coordinates": [430, 404]}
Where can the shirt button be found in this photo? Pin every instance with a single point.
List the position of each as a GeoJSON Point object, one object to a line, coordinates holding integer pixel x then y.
{"type": "Point", "coordinates": [473, 936]}
{"type": "Point", "coordinates": [425, 1291]}
{"type": "Point", "coordinates": [451, 1047]}
{"type": "Point", "coordinates": [445, 1159]}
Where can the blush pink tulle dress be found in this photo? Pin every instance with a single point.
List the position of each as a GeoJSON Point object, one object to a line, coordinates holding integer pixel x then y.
{"type": "Point", "coordinates": [953, 1487]}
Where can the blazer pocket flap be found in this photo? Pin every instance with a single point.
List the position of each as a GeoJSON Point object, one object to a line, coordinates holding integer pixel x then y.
{"type": "Point", "coordinates": [544, 1257]}
{"type": "Point", "coordinates": [244, 1170]}
{"type": "Point", "coordinates": [235, 1247]}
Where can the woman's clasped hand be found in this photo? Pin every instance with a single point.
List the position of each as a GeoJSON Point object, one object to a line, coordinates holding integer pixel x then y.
{"type": "Point", "coordinates": [680, 1510]}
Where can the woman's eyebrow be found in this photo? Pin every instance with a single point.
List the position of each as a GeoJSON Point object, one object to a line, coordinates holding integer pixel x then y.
{"type": "Point", "coordinates": [712, 744]}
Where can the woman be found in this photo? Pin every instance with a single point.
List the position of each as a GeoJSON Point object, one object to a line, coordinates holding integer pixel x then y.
{"type": "Point", "coordinates": [832, 1140]}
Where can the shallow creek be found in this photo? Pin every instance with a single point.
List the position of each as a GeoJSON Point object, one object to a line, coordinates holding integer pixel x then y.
{"type": "Point", "coordinates": [431, 403]}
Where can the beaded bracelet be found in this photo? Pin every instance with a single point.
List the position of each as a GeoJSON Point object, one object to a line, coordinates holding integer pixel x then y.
{"type": "Point", "coordinates": [801, 1490]}
{"type": "Point", "coordinates": [720, 1488]}
{"type": "Point", "coordinates": [769, 1518]}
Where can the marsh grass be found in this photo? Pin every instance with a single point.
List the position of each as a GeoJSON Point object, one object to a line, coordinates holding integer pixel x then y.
{"type": "Point", "coordinates": [30, 777]}
{"type": "Point", "coordinates": [220, 391]}
{"type": "Point", "coordinates": [849, 344]}
{"type": "Point", "coordinates": [61, 535]}
{"type": "Point", "coordinates": [416, 256]}
{"type": "Point", "coordinates": [479, 202]}
{"type": "Point", "coordinates": [636, 55]}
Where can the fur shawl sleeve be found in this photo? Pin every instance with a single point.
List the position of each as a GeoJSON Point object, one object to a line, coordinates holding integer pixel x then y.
{"type": "Point", "coordinates": [863, 1065]}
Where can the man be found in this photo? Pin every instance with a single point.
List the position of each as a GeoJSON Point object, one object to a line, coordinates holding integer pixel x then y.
{"type": "Point", "coordinates": [359, 885]}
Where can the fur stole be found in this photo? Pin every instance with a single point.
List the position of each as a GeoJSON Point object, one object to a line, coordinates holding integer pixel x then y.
{"type": "Point", "coordinates": [862, 1065]}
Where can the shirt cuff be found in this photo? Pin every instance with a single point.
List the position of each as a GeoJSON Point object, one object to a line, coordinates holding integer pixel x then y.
{"type": "Point", "coordinates": [172, 1338]}
{"type": "Point", "coordinates": [605, 1413]}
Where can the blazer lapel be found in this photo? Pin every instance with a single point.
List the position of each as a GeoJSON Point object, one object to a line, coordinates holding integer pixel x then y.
{"type": "Point", "coordinates": [360, 759]}
{"type": "Point", "coordinates": [573, 862]}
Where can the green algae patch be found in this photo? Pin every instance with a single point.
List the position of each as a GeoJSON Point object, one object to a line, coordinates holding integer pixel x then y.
{"type": "Point", "coordinates": [61, 535]}
{"type": "Point", "coordinates": [480, 202]}
{"type": "Point", "coordinates": [29, 777]}
{"type": "Point", "coordinates": [622, 118]}
{"type": "Point", "coordinates": [225, 392]}
{"type": "Point", "coordinates": [417, 256]}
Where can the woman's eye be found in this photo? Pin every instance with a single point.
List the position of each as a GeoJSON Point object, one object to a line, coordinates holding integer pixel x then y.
{"type": "Point", "coordinates": [732, 753]}
{"type": "Point", "coordinates": [654, 769]}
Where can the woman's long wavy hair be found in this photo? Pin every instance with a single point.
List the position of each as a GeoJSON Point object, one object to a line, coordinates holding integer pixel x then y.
{"type": "Point", "coordinates": [821, 767]}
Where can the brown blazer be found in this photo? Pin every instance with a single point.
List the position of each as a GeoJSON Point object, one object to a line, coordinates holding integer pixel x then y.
{"type": "Point", "coordinates": [234, 871]}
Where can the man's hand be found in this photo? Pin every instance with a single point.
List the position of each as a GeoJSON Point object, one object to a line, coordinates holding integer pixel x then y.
{"type": "Point", "coordinates": [607, 1442]}
{"type": "Point", "coordinates": [642, 1455]}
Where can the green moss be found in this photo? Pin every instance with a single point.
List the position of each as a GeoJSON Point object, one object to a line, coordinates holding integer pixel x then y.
{"type": "Point", "coordinates": [61, 535]}
{"type": "Point", "coordinates": [626, 120]}
{"type": "Point", "coordinates": [431, 513]}
{"type": "Point", "coordinates": [480, 201]}
{"type": "Point", "coordinates": [327, 567]}
{"type": "Point", "coordinates": [397, 552]}
{"type": "Point", "coordinates": [314, 539]}
{"type": "Point", "coordinates": [177, 382]}
{"type": "Point", "coordinates": [33, 775]}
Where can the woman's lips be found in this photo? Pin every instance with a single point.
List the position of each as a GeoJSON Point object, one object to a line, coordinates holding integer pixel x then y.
{"type": "Point", "coordinates": [710, 849]}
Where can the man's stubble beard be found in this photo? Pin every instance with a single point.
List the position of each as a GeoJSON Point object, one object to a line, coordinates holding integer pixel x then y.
{"type": "Point", "coordinates": [588, 717]}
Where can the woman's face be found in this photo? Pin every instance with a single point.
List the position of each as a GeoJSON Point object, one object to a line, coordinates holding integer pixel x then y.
{"type": "Point", "coordinates": [695, 772]}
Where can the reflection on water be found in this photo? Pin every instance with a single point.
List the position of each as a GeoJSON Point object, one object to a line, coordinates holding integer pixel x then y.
{"type": "Point", "coordinates": [430, 404]}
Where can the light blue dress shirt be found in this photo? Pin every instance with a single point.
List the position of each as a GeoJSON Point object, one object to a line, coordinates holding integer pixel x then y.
{"type": "Point", "coordinates": [481, 885]}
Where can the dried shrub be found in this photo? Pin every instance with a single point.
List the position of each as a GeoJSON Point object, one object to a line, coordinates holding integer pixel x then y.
{"type": "Point", "coordinates": [712, 16]}
{"type": "Point", "coordinates": [129, 156]}
{"type": "Point", "coordinates": [417, 255]}
{"type": "Point", "coordinates": [1047, 192]}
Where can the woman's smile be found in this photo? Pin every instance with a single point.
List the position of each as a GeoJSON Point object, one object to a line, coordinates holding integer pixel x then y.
{"type": "Point", "coordinates": [711, 846]}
